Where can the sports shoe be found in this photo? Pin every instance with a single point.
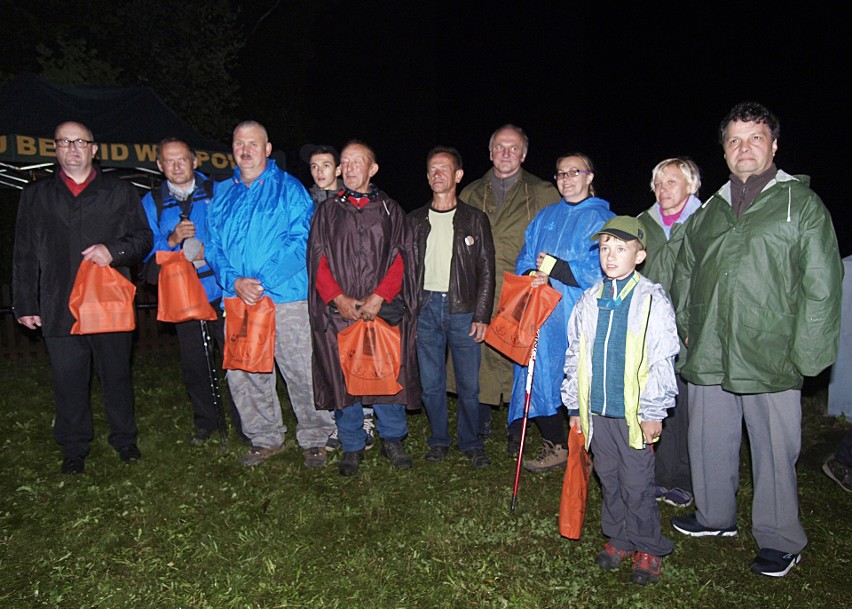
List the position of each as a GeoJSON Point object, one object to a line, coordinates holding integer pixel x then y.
{"type": "Point", "coordinates": [478, 458]}
{"type": "Point", "coordinates": [842, 474]}
{"type": "Point", "coordinates": [369, 429]}
{"type": "Point", "coordinates": [73, 465]}
{"type": "Point", "coordinates": [678, 497]}
{"type": "Point", "coordinates": [314, 457]}
{"type": "Point", "coordinates": [395, 453]}
{"type": "Point", "coordinates": [688, 525]}
{"type": "Point", "coordinates": [350, 463]}
{"type": "Point", "coordinates": [774, 563]}
{"type": "Point", "coordinates": [660, 492]}
{"type": "Point", "coordinates": [437, 453]}
{"type": "Point", "coordinates": [550, 457]}
{"type": "Point", "coordinates": [647, 568]}
{"type": "Point", "coordinates": [610, 557]}
{"type": "Point", "coordinates": [129, 453]}
{"type": "Point", "coordinates": [258, 454]}
{"type": "Point", "coordinates": [333, 442]}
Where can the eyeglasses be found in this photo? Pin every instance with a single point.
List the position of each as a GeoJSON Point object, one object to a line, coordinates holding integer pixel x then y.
{"type": "Point", "coordinates": [64, 142]}
{"type": "Point", "coordinates": [571, 173]}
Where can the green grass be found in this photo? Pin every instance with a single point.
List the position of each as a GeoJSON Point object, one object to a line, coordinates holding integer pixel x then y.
{"type": "Point", "coordinates": [190, 528]}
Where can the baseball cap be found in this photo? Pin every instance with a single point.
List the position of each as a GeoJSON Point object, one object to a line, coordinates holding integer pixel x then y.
{"type": "Point", "coordinates": [626, 228]}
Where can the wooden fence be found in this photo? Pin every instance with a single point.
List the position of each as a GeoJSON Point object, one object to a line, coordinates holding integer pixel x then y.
{"type": "Point", "coordinates": [16, 342]}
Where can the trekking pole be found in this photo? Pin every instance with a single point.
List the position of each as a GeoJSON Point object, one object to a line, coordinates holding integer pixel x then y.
{"type": "Point", "coordinates": [525, 420]}
{"type": "Point", "coordinates": [214, 386]}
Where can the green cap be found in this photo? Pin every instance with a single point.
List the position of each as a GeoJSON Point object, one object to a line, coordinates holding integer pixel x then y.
{"type": "Point", "coordinates": [626, 228]}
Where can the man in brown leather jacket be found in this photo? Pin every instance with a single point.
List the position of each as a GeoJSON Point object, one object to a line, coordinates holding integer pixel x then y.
{"type": "Point", "coordinates": [455, 254]}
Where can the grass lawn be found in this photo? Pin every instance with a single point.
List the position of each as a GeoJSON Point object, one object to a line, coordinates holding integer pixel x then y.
{"type": "Point", "coordinates": [189, 527]}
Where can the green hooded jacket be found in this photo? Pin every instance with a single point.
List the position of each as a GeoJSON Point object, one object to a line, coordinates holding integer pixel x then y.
{"type": "Point", "coordinates": [758, 299]}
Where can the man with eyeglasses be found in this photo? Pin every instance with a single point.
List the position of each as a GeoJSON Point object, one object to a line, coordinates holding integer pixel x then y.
{"type": "Point", "coordinates": [177, 213]}
{"type": "Point", "coordinates": [75, 216]}
{"type": "Point", "coordinates": [510, 197]}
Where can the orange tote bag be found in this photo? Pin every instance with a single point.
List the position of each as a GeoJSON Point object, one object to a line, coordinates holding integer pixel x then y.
{"type": "Point", "coordinates": [249, 335]}
{"type": "Point", "coordinates": [180, 295]}
{"type": "Point", "coordinates": [520, 313]}
{"type": "Point", "coordinates": [370, 357]}
{"type": "Point", "coordinates": [101, 300]}
{"type": "Point", "coordinates": [575, 487]}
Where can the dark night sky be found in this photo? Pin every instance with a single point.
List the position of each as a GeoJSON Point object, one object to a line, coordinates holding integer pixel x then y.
{"type": "Point", "coordinates": [627, 86]}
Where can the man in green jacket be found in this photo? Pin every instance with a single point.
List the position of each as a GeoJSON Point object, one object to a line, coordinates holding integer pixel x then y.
{"type": "Point", "coordinates": [757, 291]}
{"type": "Point", "coordinates": [510, 197]}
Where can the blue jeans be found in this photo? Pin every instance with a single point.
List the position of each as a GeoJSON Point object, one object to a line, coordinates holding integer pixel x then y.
{"type": "Point", "coordinates": [436, 328]}
{"type": "Point", "coordinates": [390, 423]}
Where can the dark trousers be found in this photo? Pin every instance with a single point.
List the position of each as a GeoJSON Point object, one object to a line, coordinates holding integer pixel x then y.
{"type": "Point", "coordinates": [195, 372]}
{"type": "Point", "coordinates": [630, 517]}
{"type": "Point", "coordinates": [551, 427]}
{"type": "Point", "coordinates": [71, 360]}
{"type": "Point", "coordinates": [844, 451]}
{"type": "Point", "coordinates": [672, 449]}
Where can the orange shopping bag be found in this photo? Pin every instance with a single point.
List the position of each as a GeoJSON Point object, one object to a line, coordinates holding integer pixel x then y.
{"type": "Point", "coordinates": [369, 355]}
{"type": "Point", "coordinates": [101, 300]}
{"type": "Point", "coordinates": [180, 295]}
{"type": "Point", "coordinates": [249, 335]}
{"type": "Point", "coordinates": [575, 487]}
{"type": "Point", "coordinates": [521, 312]}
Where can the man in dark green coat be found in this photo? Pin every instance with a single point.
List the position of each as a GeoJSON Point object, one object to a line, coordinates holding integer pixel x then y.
{"type": "Point", "coordinates": [757, 291]}
{"type": "Point", "coordinates": [511, 198]}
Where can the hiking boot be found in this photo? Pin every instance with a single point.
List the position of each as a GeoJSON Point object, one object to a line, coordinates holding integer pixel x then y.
{"type": "Point", "coordinates": [395, 452]}
{"type": "Point", "coordinates": [688, 525]}
{"type": "Point", "coordinates": [678, 497]}
{"type": "Point", "coordinates": [842, 474]}
{"type": "Point", "coordinates": [314, 457]}
{"type": "Point", "coordinates": [333, 442]}
{"type": "Point", "coordinates": [478, 458]}
{"type": "Point", "coordinates": [550, 457]}
{"type": "Point", "coordinates": [350, 463]}
{"type": "Point", "coordinates": [73, 465]}
{"type": "Point", "coordinates": [610, 557]}
{"type": "Point", "coordinates": [369, 429]}
{"type": "Point", "coordinates": [437, 453]}
{"type": "Point", "coordinates": [647, 568]}
{"type": "Point", "coordinates": [258, 454]}
{"type": "Point", "coordinates": [129, 453]}
{"type": "Point", "coordinates": [774, 563]}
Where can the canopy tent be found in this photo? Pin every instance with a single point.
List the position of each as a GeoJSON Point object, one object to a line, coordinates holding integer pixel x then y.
{"type": "Point", "coordinates": [127, 123]}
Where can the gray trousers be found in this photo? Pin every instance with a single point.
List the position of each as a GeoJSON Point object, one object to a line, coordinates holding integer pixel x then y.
{"type": "Point", "coordinates": [672, 450]}
{"type": "Point", "coordinates": [256, 397]}
{"type": "Point", "coordinates": [774, 424]}
{"type": "Point", "coordinates": [630, 517]}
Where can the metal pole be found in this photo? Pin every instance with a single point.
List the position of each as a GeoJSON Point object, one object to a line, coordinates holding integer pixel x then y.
{"type": "Point", "coordinates": [214, 386]}
{"type": "Point", "coordinates": [525, 420]}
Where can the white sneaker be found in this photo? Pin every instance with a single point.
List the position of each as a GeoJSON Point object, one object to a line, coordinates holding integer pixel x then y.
{"type": "Point", "coordinates": [369, 429]}
{"type": "Point", "coordinates": [333, 442]}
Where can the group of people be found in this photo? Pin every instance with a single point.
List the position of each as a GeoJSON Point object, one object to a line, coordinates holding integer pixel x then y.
{"type": "Point", "coordinates": [672, 329]}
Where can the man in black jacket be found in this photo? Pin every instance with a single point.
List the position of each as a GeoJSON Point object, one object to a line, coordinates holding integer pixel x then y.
{"type": "Point", "coordinates": [455, 251]}
{"type": "Point", "coordinates": [78, 216]}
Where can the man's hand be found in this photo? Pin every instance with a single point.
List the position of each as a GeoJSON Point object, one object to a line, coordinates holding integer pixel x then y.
{"type": "Point", "coordinates": [97, 253]}
{"type": "Point", "coordinates": [477, 331]}
{"type": "Point", "coordinates": [183, 230]}
{"type": "Point", "coordinates": [651, 430]}
{"type": "Point", "coordinates": [249, 290]}
{"type": "Point", "coordinates": [370, 307]}
{"type": "Point", "coordinates": [348, 307]}
{"type": "Point", "coordinates": [30, 321]}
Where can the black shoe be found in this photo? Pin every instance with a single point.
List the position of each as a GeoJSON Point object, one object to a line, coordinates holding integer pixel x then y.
{"type": "Point", "coordinates": [513, 447]}
{"type": "Point", "coordinates": [350, 463]}
{"type": "Point", "coordinates": [395, 452]}
{"type": "Point", "coordinates": [200, 437]}
{"type": "Point", "coordinates": [437, 453]}
{"type": "Point", "coordinates": [73, 465]}
{"type": "Point", "coordinates": [478, 458]}
{"type": "Point", "coordinates": [129, 453]}
{"type": "Point", "coordinates": [774, 563]}
{"type": "Point", "coordinates": [688, 525]}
